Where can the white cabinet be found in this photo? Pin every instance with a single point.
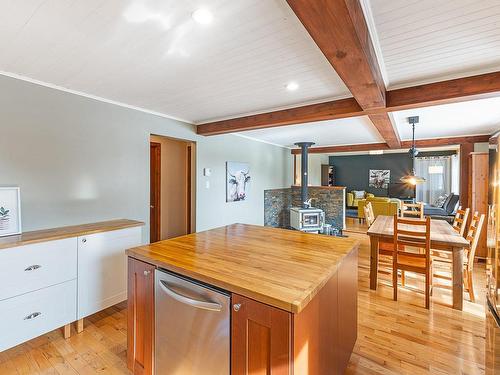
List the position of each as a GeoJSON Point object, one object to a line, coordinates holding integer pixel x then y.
{"type": "Point", "coordinates": [31, 267]}
{"type": "Point", "coordinates": [32, 314]}
{"type": "Point", "coordinates": [102, 269]}
{"type": "Point", "coordinates": [54, 282]}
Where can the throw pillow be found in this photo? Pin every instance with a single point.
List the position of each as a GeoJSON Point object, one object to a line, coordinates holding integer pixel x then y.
{"type": "Point", "coordinates": [440, 201]}
{"type": "Point", "coordinates": [359, 194]}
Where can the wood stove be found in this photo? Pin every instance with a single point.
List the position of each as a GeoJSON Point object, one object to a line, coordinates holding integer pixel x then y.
{"type": "Point", "coordinates": [306, 218]}
{"type": "Point", "coordinates": [309, 220]}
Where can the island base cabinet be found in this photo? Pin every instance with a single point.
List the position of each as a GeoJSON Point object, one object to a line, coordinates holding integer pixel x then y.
{"type": "Point", "coordinates": [140, 317]}
{"type": "Point", "coordinates": [316, 341]}
{"type": "Point", "coordinates": [261, 337]}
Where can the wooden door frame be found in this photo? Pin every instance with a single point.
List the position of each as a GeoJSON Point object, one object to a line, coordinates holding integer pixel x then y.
{"type": "Point", "coordinates": [189, 188]}
{"type": "Point", "coordinates": [191, 169]}
{"type": "Point", "coordinates": [157, 191]}
{"type": "Point", "coordinates": [192, 186]}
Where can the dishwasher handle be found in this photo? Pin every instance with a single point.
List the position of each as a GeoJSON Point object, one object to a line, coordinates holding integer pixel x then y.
{"type": "Point", "coordinates": [205, 305]}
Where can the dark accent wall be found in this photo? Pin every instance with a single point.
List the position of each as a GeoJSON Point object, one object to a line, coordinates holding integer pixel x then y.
{"type": "Point", "coordinates": [352, 170]}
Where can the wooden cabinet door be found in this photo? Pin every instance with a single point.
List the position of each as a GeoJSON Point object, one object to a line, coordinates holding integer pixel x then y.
{"type": "Point", "coordinates": [261, 338]}
{"type": "Point", "coordinates": [347, 305]}
{"type": "Point", "coordinates": [140, 319]}
{"type": "Point", "coordinates": [478, 195]}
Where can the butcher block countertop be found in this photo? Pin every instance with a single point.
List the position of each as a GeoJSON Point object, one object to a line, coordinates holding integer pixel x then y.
{"type": "Point", "coordinates": [278, 267]}
{"type": "Point", "coordinates": [66, 232]}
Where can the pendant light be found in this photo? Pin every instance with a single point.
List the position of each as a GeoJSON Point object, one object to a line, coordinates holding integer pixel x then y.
{"type": "Point", "coordinates": [412, 178]}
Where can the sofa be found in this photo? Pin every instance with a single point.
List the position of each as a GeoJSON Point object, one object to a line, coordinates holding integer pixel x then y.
{"type": "Point", "coordinates": [447, 209]}
{"type": "Point", "coordinates": [352, 201]}
{"type": "Point", "coordinates": [381, 206]}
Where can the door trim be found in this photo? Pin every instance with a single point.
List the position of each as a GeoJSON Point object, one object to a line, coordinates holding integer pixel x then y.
{"type": "Point", "coordinates": [155, 189]}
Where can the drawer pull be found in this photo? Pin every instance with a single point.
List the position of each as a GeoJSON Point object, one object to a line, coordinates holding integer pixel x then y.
{"type": "Point", "coordinates": [32, 316]}
{"type": "Point", "coordinates": [33, 267]}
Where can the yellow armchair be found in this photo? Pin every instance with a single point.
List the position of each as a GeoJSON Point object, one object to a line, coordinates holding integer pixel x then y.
{"type": "Point", "coordinates": [352, 201]}
{"type": "Point", "coordinates": [381, 206]}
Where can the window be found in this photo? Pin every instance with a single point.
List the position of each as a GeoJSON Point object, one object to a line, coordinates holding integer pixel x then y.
{"type": "Point", "coordinates": [437, 171]}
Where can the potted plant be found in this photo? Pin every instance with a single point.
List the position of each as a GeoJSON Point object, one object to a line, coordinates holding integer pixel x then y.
{"type": "Point", "coordinates": [4, 218]}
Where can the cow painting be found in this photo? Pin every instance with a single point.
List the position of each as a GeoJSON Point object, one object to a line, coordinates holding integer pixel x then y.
{"type": "Point", "coordinates": [379, 178]}
{"type": "Point", "coordinates": [238, 181]}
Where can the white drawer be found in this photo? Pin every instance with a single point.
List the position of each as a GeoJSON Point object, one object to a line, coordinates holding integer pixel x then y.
{"type": "Point", "coordinates": [32, 314]}
{"type": "Point", "coordinates": [27, 268]}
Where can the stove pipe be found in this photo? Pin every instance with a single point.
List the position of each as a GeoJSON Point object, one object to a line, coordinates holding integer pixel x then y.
{"type": "Point", "coordinates": [304, 196]}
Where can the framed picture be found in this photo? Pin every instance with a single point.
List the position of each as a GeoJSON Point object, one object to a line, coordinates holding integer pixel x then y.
{"type": "Point", "coordinates": [379, 178]}
{"type": "Point", "coordinates": [237, 181]}
{"type": "Point", "coordinates": [10, 210]}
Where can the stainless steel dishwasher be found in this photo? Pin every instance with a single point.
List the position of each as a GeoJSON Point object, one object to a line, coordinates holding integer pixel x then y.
{"type": "Point", "coordinates": [192, 323]}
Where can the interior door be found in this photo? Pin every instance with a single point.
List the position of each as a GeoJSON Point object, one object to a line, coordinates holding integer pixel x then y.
{"type": "Point", "coordinates": [155, 192]}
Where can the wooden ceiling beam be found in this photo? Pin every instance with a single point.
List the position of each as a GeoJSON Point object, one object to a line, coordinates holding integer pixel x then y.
{"type": "Point", "coordinates": [386, 129]}
{"type": "Point", "coordinates": [345, 148]}
{"type": "Point", "coordinates": [339, 29]}
{"type": "Point", "coordinates": [332, 110]}
{"type": "Point", "coordinates": [450, 91]}
{"type": "Point", "coordinates": [434, 142]}
{"type": "Point", "coordinates": [449, 141]}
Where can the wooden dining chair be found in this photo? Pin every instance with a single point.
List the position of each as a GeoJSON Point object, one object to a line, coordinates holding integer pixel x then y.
{"type": "Point", "coordinates": [414, 234]}
{"type": "Point", "coordinates": [369, 215]}
{"type": "Point", "coordinates": [460, 220]}
{"type": "Point", "coordinates": [445, 263]}
{"type": "Point", "coordinates": [412, 210]}
{"type": "Point", "coordinates": [459, 224]}
{"type": "Point", "coordinates": [473, 237]}
{"type": "Point", "coordinates": [384, 248]}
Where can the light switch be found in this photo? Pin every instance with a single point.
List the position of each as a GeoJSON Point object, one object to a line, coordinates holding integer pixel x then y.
{"type": "Point", "coordinates": [207, 172]}
{"type": "Point", "coordinates": [207, 184]}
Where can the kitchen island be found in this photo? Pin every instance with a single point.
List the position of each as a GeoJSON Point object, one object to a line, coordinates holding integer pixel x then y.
{"type": "Point", "coordinates": [293, 296]}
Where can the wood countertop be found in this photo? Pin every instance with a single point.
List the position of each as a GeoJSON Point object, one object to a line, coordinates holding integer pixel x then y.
{"type": "Point", "coordinates": [66, 232]}
{"type": "Point", "coordinates": [279, 267]}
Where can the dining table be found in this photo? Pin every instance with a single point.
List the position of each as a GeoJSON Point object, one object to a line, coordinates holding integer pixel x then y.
{"type": "Point", "coordinates": [443, 238]}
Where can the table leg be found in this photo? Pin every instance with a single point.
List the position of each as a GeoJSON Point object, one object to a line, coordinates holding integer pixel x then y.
{"type": "Point", "coordinates": [458, 288]}
{"type": "Point", "coordinates": [373, 262]}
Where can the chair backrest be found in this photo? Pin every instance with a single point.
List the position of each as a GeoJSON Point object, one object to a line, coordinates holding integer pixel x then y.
{"type": "Point", "coordinates": [460, 221]}
{"type": "Point", "coordinates": [412, 210]}
{"type": "Point", "coordinates": [413, 233]}
{"type": "Point", "coordinates": [476, 224]}
{"type": "Point", "coordinates": [369, 215]}
{"type": "Point", "coordinates": [451, 203]}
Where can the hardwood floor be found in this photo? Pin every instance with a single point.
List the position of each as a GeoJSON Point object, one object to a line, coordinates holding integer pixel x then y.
{"type": "Point", "coordinates": [404, 338]}
{"type": "Point", "coordinates": [393, 337]}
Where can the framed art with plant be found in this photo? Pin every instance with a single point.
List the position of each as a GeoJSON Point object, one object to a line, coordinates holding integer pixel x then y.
{"type": "Point", "coordinates": [10, 210]}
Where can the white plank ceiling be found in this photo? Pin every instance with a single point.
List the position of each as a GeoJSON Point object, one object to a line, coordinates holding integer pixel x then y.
{"type": "Point", "coordinates": [324, 133]}
{"type": "Point", "coordinates": [151, 54]}
{"type": "Point", "coordinates": [424, 41]}
{"type": "Point", "coordinates": [451, 120]}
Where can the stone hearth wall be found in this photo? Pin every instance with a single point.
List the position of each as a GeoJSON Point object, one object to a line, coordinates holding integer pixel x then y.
{"type": "Point", "coordinates": [277, 203]}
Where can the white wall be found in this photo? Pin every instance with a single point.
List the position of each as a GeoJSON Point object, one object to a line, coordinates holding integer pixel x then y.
{"type": "Point", "coordinates": [314, 168]}
{"type": "Point", "coordinates": [79, 160]}
{"type": "Point", "coordinates": [269, 168]}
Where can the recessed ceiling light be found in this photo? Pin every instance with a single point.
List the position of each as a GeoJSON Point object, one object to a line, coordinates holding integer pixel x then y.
{"type": "Point", "coordinates": [292, 86]}
{"type": "Point", "coordinates": [203, 16]}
